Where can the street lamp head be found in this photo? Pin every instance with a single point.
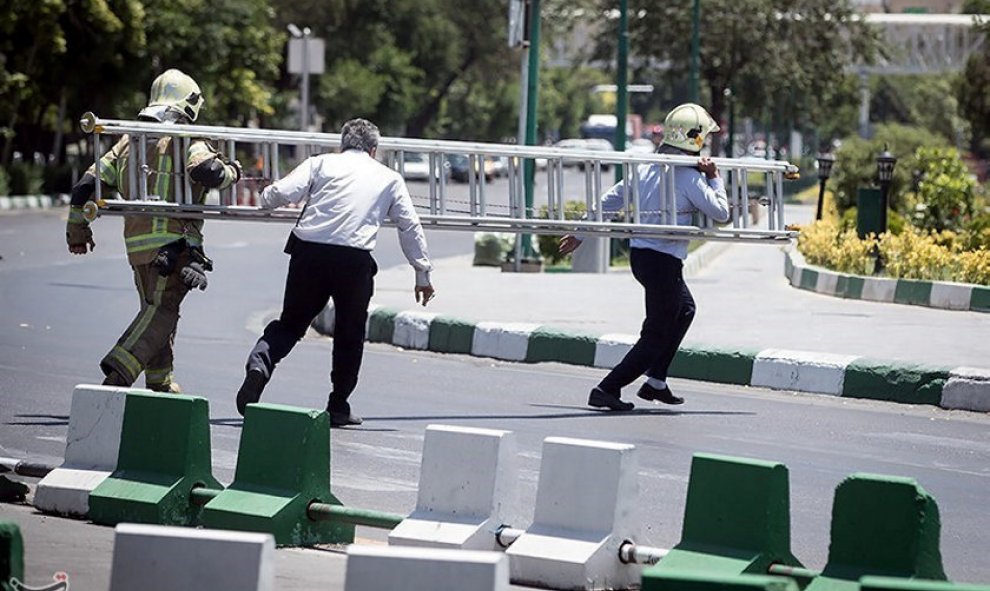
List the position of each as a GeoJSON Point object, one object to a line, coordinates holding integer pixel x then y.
{"type": "Point", "coordinates": [825, 162]}
{"type": "Point", "coordinates": [294, 30]}
{"type": "Point", "coordinates": [885, 165]}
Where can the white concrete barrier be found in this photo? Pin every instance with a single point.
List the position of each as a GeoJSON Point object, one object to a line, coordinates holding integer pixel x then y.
{"type": "Point", "coordinates": [466, 488]}
{"type": "Point", "coordinates": [611, 348]}
{"type": "Point", "coordinates": [804, 371]}
{"type": "Point", "coordinates": [585, 505]}
{"type": "Point", "coordinates": [412, 330]}
{"type": "Point", "coordinates": [952, 296]}
{"type": "Point", "coordinates": [391, 568]}
{"type": "Point", "coordinates": [509, 341]}
{"type": "Point", "coordinates": [878, 289]}
{"type": "Point", "coordinates": [827, 283]}
{"type": "Point", "coordinates": [164, 558]}
{"type": "Point", "coordinates": [91, 448]}
{"type": "Point", "coordinates": [968, 388]}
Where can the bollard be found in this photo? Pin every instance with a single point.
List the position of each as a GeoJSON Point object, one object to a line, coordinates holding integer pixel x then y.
{"type": "Point", "coordinates": [881, 525]}
{"type": "Point", "coordinates": [91, 449]}
{"type": "Point", "coordinates": [164, 454]}
{"type": "Point", "coordinates": [11, 555]}
{"type": "Point", "coordinates": [283, 465]}
{"type": "Point", "coordinates": [676, 580]}
{"type": "Point", "coordinates": [466, 485]}
{"type": "Point", "coordinates": [391, 568]}
{"type": "Point", "coordinates": [160, 558]}
{"type": "Point", "coordinates": [736, 519]}
{"type": "Point", "coordinates": [584, 513]}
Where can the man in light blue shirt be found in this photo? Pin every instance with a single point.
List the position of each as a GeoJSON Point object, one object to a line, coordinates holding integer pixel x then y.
{"type": "Point", "coordinates": [657, 263]}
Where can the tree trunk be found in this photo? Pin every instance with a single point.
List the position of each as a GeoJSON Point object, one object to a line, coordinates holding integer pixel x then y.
{"type": "Point", "coordinates": [421, 120]}
{"type": "Point", "coordinates": [717, 112]}
{"type": "Point", "coordinates": [56, 155]}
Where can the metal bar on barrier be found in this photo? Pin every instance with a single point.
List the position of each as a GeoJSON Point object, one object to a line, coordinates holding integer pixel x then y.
{"type": "Point", "coordinates": [442, 188]}
{"type": "Point", "coordinates": [232, 189]}
{"type": "Point", "coordinates": [630, 553]}
{"type": "Point", "coordinates": [143, 167]}
{"type": "Point", "coordinates": [598, 190]}
{"type": "Point", "coordinates": [744, 186]}
{"type": "Point", "coordinates": [771, 202]}
{"type": "Point", "coordinates": [401, 162]}
{"type": "Point", "coordinates": [276, 170]}
{"type": "Point", "coordinates": [482, 201]}
{"type": "Point", "coordinates": [670, 207]}
{"type": "Point", "coordinates": [200, 495]}
{"type": "Point", "coordinates": [732, 178]}
{"type": "Point", "coordinates": [511, 178]}
{"type": "Point", "coordinates": [353, 516]}
{"type": "Point", "coordinates": [174, 180]}
{"type": "Point", "coordinates": [792, 571]}
{"type": "Point", "coordinates": [626, 208]}
{"type": "Point", "coordinates": [472, 182]}
{"type": "Point", "coordinates": [432, 177]}
{"type": "Point", "coordinates": [132, 179]}
{"type": "Point", "coordinates": [98, 162]}
{"type": "Point", "coordinates": [551, 193]}
{"type": "Point", "coordinates": [22, 468]}
{"type": "Point", "coordinates": [781, 225]}
{"type": "Point", "coordinates": [562, 195]}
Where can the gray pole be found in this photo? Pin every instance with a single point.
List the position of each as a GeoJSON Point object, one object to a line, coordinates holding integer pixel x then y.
{"type": "Point", "coordinates": [304, 113]}
{"type": "Point", "coordinates": [521, 138]}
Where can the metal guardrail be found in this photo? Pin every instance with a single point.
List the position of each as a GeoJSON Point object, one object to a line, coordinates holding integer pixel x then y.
{"type": "Point", "coordinates": [482, 210]}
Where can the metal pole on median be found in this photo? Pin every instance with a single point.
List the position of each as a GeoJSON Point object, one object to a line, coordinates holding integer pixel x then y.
{"type": "Point", "coordinates": [695, 49]}
{"type": "Point", "coordinates": [622, 83]}
{"type": "Point", "coordinates": [532, 95]}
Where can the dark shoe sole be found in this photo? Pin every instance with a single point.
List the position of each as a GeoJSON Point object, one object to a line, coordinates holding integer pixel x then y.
{"type": "Point", "coordinates": [601, 399]}
{"type": "Point", "coordinates": [250, 392]}
{"type": "Point", "coordinates": [648, 392]}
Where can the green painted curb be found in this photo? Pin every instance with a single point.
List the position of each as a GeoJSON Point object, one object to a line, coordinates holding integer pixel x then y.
{"type": "Point", "coordinates": [909, 291]}
{"type": "Point", "coordinates": [883, 525]}
{"type": "Point", "coordinates": [894, 584]}
{"type": "Point", "coordinates": [809, 279]}
{"type": "Point", "coordinates": [714, 365]}
{"type": "Point", "coordinates": [381, 325]}
{"type": "Point", "coordinates": [450, 335]}
{"type": "Point", "coordinates": [548, 344]}
{"type": "Point", "coordinates": [283, 464]}
{"type": "Point", "coordinates": [11, 555]}
{"type": "Point", "coordinates": [854, 287]}
{"type": "Point", "coordinates": [164, 453]}
{"type": "Point", "coordinates": [882, 380]}
{"type": "Point", "coordinates": [690, 580]}
{"type": "Point", "coordinates": [737, 518]}
{"type": "Point", "coordinates": [979, 300]}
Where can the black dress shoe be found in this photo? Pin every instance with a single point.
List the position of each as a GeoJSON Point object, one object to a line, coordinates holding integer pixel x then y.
{"type": "Point", "coordinates": [342, 420]}
{"type": "Point", "coordinates": [601, 399]}
{"type": "Point", "coordinates": [250, 392]}
{"type": "Point", "coordinates": [664, 395]}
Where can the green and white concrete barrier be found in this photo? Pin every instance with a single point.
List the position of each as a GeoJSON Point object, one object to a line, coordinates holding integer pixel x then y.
{"type": "Point", "coordinates": [283, 465]}
{"type": "Point", "coordinates": [11, 555]}
{"type": "Point", "coordinates": [849, 376]}
{"type": "Point", "coordinates": [33, 201]}
{"type": "Point", "coordinates": [467, 483]}
{"type": "Point", "coordinates": [164, 454]}
{"type": "Point", "coordinates": [395, 567]}
{"type": "Point", "coordinates": [881, 525]}
{"type": "Point", "coordinates": [161, 558]}
{"type": "Point", "coordinates": [933, 294]}
{"type": "Point", "coordinates": [580, 522]}
{"type": "Point", "coordinates": [91, 448]}
{"type": "Point", "coordinates": [736, 519]}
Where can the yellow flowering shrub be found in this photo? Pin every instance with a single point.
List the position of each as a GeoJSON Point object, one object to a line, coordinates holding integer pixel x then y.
{"type": "Point", "coordinates": [912, 254]}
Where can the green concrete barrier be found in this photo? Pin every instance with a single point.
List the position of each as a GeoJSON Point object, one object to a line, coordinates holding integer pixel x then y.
{"type": "Point", "coordinates": [283, 465]}
{"type": "Point", "coordinates": [714, 365]}
{"type": "Point", "coordinates": [979, 300]}
{"type": "Point", "coordinates": [881, 525]}
{"type": "Point", "coordinates": [736, 519]}
{"type": "Point", "coordinates": [893, 584]}
{"type": "Point", "coordinates": [450, 335]}
{"type": "Point", "coordinates": [681, 580]}
{"type": "Point", "coordinates": [164, 454]}
{"type": "Point", "coordinates": [11, 555]}
{"type": "Point", "coordinates": [548, 344]}
{"type": "Point", "coordinates": [381, 325]}
{"type": "Point", "coordinates": [884, 380]}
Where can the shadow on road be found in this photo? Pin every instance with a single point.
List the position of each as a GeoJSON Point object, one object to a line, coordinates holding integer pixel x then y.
{"type": "Point", "coordinates": [53, 420]}
{"type": "Point", "coordinates": [578, 412]}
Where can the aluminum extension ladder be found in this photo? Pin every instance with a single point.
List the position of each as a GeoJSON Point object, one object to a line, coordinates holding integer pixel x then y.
{"type": "Point", "coordinates": [484, 208]}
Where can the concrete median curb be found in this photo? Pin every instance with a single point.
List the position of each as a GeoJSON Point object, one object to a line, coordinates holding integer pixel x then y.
{"type": "Point", "coordinates": [848, 376]}
{"type": "Point", "coordinates": [933, 294]}
{"type": "Point", "coordinates": [32, 201]}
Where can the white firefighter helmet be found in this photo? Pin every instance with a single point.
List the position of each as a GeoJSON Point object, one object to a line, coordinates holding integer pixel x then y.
{"type": "Point", "coordinates": [687, 126]}
{"type": "Point", "coordinates": [174, 96]}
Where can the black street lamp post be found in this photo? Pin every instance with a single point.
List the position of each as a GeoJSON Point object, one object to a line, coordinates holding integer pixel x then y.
{"type": "Point", "coordinates": [825, 162]}
{"type": "Point", "coordinates": [885, 174]}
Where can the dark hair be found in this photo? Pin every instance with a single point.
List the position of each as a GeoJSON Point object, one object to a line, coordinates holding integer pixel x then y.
{"type": "Point", "coordinates": [359, 134]}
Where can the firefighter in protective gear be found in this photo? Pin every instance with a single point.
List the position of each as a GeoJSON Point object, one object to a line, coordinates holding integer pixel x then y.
{"type": "Point", "coordinates": [165, 254]}
{"type": "Point", "coordinates": [687, 126]}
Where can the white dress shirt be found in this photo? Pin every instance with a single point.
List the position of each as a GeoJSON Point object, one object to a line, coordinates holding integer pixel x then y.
{"type": "Point", "coordinates": [350, 195]}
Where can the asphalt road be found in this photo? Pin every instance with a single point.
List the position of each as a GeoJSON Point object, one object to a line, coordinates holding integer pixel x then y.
{"type": "Point", "coordinates": [59, 314]}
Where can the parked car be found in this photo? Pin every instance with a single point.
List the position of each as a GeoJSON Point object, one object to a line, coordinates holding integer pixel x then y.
{"type": "Point", "coordinates": [597, 145]}
{"type": "Point", "coordinates": [416, 167]}
{"type": "Point", "coordinates": [459, 166]}
{"type": "Point", "coordinates": [571, 144]}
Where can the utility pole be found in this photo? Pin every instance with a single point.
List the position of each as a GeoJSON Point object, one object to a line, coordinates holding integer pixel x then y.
{"type": "Point", "coordinates": [622, 83]}
{"type": "Point", "coordinates": [532, 96]}
{"type": "Point", "coordinates": [695, 50]}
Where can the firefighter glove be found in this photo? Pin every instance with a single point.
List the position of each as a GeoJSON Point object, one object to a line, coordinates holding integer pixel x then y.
{"type": "Point", "coordinates": [197, 255]}
{"type": "Point", "coordinates": [78, 236]}
{"type": "Point", "coordinates": [193, 275]}
{"type": "Point", "coordinates": [168, 257]}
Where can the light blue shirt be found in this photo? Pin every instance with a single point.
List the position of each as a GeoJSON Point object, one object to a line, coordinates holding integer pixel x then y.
{"type": "Point", "coordinates": [693, 193]}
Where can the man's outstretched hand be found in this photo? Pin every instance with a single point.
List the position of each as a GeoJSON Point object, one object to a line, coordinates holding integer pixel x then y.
{"type": "Point", "coordinates": [424, 293]}
{"type": "Point", "coordinates": [568, 244]}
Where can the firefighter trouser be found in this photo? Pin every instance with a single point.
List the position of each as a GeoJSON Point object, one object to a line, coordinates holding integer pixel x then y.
{"type": "Point", "coordinates": [146, 345]}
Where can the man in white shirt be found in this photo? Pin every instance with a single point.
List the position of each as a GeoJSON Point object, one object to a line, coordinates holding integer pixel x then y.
{"type": "Point", "coordinates": [657, 263]}
{"type": "Point", "coordinates": [347, 197]}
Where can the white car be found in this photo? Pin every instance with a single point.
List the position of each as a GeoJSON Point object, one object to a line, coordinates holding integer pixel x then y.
{"type": "Point", "coordinates": [416, 167]}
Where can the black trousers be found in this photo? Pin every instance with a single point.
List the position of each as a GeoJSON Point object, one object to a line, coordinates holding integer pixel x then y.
{"type": "Point", "coordinates": [669, 312]}
{"type": "Point", "coordinates": [318, 273]}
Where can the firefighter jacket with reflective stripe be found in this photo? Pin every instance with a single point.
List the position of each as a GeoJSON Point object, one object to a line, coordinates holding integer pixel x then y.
{"type": "Point", "coordinates": [144, 235]}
